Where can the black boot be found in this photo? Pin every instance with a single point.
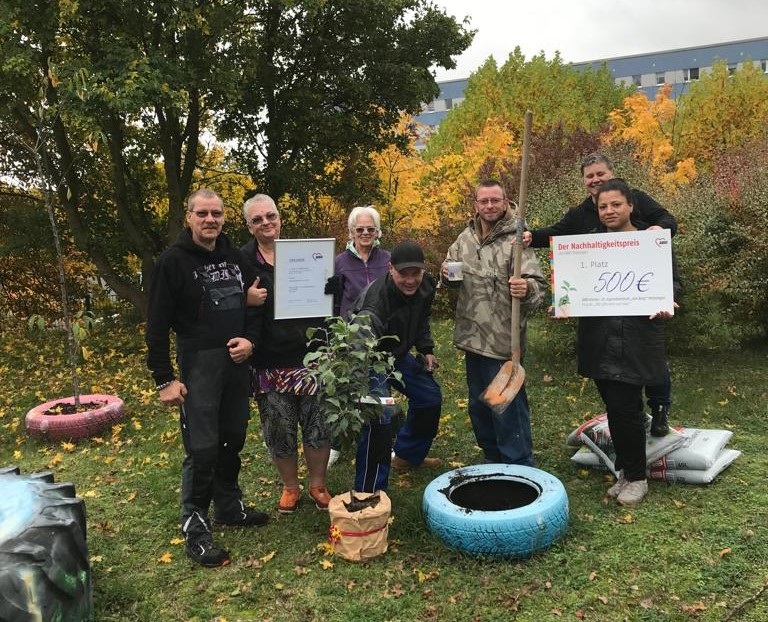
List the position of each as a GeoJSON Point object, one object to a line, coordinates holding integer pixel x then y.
{"type": "Point", "coordinates": [660, 421]}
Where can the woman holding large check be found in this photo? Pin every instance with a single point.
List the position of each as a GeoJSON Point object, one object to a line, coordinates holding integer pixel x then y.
{"type": "Point", "coordinates": [622, 354]}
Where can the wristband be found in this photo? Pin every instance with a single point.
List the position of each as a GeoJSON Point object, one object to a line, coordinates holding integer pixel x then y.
{"type": "Point", "coordinates": [165, 385]}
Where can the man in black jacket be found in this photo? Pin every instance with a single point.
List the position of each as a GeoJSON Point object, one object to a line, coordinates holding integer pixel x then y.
{"type": "Point", "coordinates": [597, 168]}
{"type": "Point", "coordinates": [399, 303]}
{"type": "Point", "coordinates": [198, 291]}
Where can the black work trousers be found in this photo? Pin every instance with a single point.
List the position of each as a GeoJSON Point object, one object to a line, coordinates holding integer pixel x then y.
{"type": "Point", "coordinates": [214, 419]}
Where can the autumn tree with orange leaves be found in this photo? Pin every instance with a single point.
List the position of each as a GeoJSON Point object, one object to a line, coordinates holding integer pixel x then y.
{"type": "Point", "coordinates": [649, 127]}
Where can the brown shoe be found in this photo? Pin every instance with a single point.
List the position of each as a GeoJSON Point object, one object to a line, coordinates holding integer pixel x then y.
{"type": "Point", "coordinates": [428, 463]}
{"type": "Point", "coordinates": [289, 500]}
{"type": "Point", "coordinates": [320, 496]}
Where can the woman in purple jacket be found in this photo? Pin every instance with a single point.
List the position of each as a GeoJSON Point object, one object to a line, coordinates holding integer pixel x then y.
{"type": "Point", "coordinates": [363, 261]}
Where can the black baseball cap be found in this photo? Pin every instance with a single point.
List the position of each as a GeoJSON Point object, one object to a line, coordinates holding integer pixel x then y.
{"type": "Point", "coordinates": [407, 255]}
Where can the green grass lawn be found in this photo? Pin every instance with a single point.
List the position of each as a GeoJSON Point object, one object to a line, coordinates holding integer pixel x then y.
{"type": "Point", "coordinates": [687, 553]}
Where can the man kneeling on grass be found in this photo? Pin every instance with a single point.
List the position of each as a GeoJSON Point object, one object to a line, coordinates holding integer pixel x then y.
{"type": "Point", "coordinates": [399, 304]}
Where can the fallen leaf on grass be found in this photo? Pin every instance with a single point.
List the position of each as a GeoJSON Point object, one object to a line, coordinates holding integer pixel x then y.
{"type": "Point", "coordinates": [165, 558]}
{"type": "Point", "coordinates": [301, 570]}
{"type": "Point", "coordinates": [396, 591]}
{"type": "Point", "coordinates": [176, 541]}
{"type": "Point", "coordinates": [426, 576]}
{"type": "Point", "coordinates": [627, 519]}
{"type": "Point", "coordinates": [694, 608]}
{"type": "Point", "coordinates": [556, 612]}
{"type": "Point", "coordinates": [326, 564]}
{"type": "Point", "coordinates": [592, 575]}
{"type": "Point", "coordinates": [679, 504]}
{"type": "Point", "coordinates": [268, 556]}
{"type": "Point", "coordinates": [67, 446]}
{"type": "Point", "coordinates": [725, 551]}
{"type": "Point", "coordinates": [603, 599]}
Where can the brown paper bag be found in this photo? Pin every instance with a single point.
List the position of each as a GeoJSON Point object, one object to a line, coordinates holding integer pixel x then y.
{"type": "Point", "coordinates": [359, 524]}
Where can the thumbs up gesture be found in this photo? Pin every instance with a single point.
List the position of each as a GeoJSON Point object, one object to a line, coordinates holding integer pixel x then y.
{"type": "Point", "coordinates": [256, 296]}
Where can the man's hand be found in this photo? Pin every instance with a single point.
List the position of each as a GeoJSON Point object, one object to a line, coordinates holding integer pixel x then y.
{"type": "Point", "coordinates": [173, 394]}
{"type": "Point", "coordinates": [430, 363]}
{"type": "Point", "coordinates": [240, 349]}
{"type": "Point", "coordinates": [527, 239]}
{"type": "Point", "coordinates": [256, 296]}
{"type": "Point", "coordinates": [518, 288]}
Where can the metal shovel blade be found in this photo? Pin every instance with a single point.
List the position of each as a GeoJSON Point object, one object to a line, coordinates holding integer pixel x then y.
{"type": "Point", "coordinates": [504, 387]}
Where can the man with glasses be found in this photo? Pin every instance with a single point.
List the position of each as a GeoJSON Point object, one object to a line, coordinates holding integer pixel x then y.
{"type": "Point", "coordinates": [484, 317]}
{"type": "Point", "coordinates": [597, 168]}
{"type": "Point", "coordinates": [199, 291]}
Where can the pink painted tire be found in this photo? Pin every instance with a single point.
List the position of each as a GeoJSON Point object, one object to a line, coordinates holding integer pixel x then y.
{"type": "Point", "coordinates": [76, 425]}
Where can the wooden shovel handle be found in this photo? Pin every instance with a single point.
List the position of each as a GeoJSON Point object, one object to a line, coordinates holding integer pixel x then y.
{"type": "Point", "coordinates": [520, 224]}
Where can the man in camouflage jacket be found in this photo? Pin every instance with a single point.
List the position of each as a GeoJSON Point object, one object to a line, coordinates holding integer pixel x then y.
{"type": "Point", "coordinates": [483, 319]}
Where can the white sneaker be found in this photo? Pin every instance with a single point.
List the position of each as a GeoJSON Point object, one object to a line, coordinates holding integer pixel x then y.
{"type": "Point", "coordinates": [633, 493]}
{"type": "Point", "coordinates": [616, 489]}
{"type": "Point", "coordinates": [333, 458]}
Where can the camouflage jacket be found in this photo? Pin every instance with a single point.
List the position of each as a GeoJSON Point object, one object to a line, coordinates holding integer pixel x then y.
{"type": "Point", "coordinates": [484, 307]}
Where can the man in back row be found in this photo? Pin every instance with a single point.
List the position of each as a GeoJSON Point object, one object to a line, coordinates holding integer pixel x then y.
{"type": "Point", "coordinates": [597, 168]}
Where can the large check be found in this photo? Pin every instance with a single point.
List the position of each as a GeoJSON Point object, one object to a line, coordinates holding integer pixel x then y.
{"type": "Point", "coordinates": [627, 273]}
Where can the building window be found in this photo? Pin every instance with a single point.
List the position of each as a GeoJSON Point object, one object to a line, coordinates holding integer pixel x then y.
{"type": "Point", "coordinates": [636, 79]}
{"type": "Point", "coordinates": [449, 104]}
{"type": "Point", "coordinates": [660, 77]}
{"type": "Point", "coordinates": [690, 74]}
{"type": "Point", "coordinates": [764, 65]}
{"type": "Point", "coordinates": [731, 68]}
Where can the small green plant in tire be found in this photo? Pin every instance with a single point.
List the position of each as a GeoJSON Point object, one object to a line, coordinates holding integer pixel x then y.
{"type": "Point", "coordinates": [343, 355]}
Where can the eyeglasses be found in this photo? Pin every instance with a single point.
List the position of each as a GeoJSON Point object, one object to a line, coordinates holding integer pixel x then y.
{"type": "Point", "coordinates": [489, 201]}
{"type": "Point", "coordinates": [268, 217]}
{"type": "Point", "coordinates": [204, 213]}
{"type": "Point", "coordinates": [361, 230]}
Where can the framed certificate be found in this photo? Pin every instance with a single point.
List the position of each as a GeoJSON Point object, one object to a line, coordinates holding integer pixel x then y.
{"type": "Point", "coordinates": [302, 268]}
{"type": "Point", "coordinates": [626, 273]}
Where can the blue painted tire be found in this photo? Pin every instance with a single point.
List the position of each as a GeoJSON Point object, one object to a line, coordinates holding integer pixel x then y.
{"type": "Point", "coordinates": [508, 533]}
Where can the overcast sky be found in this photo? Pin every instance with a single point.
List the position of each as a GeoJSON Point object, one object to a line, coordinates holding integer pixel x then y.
{"type": "Point", "coordinates": [584, 30]}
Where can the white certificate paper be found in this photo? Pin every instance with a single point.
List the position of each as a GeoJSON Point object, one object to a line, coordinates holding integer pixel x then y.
{"type": "Point", "coordinates": [600, 274]}
{"type": "Point", "coordinates": [302, 268]}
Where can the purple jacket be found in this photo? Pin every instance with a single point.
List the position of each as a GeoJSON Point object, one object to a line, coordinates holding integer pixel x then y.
{"type": "Point", "coordinates": [356, 273]}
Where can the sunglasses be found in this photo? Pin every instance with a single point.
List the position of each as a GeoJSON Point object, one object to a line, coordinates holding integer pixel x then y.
{"type": "Point", "coordinates": [203, 213]}
{"type": "Point", "coordinates": [269, 217]}
{"type": "Point", "coordinates": [361, 230]}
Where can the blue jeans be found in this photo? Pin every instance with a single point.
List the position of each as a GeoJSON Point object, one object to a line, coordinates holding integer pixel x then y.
{"type": "Point", "coordinates": [415, 436]}
{"type": "Point", "coordinates": [506, 437]}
